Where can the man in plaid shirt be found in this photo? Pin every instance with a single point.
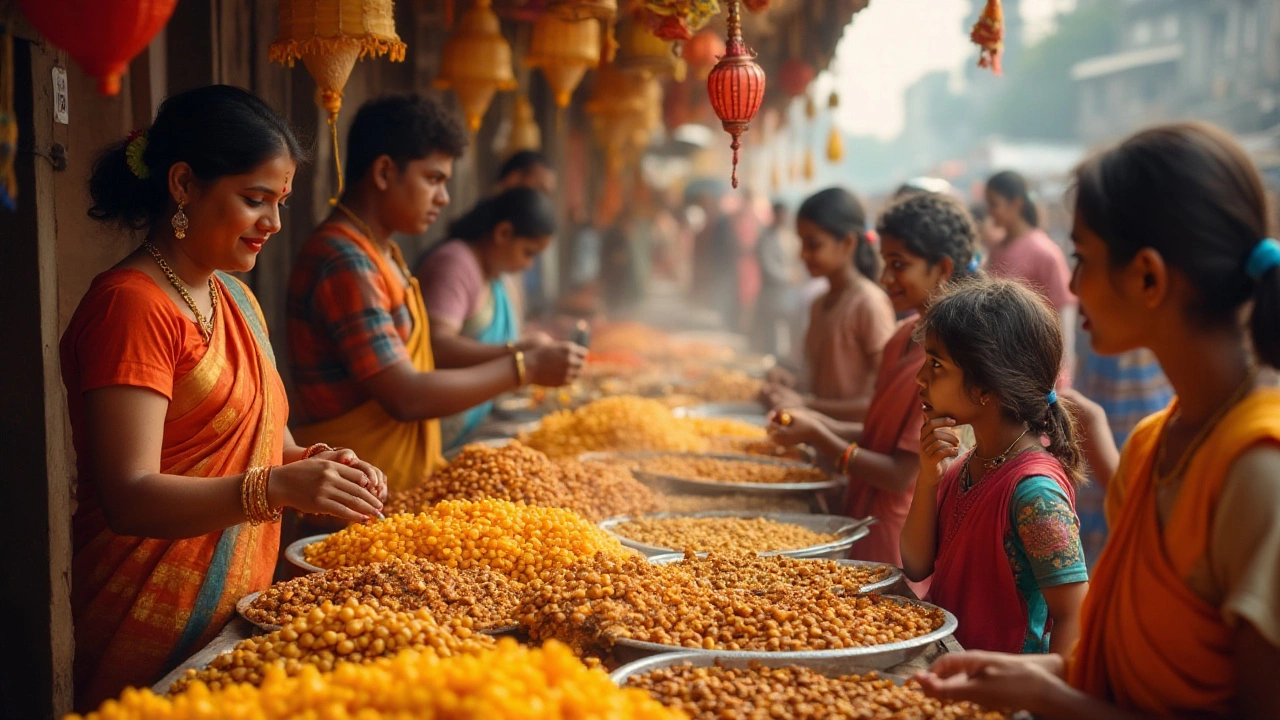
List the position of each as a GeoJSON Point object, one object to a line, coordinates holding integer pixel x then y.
{"type": "Point", "coordinates": [359, 343]}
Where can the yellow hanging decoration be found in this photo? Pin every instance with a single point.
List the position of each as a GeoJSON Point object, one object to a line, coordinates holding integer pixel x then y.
{"type": "Point", "coordinates": [525, 133]}
{"type": "Point", "coordinates": [618, 108]}
{"type": "Point", "coordinates": [775, 178]}
{"type": "Point", "coordinates": [605, 10]}
{"type": "Point", "coordinates": [810, 107]}
{"type": "Point", "coordinates": [563, 51]}
{"type": "Point", "coordinates": [639, 49]}
{"type": "Point", "coordinates": [835, 146]}
{"type": "Point", "coordinates": [808, 164]}
{"type": "Point", "coordinates": [329, 36]}
{"type": "Point", "coordinates": [476, 62]}
{"type": "Point", "coordinates": [835, 141]}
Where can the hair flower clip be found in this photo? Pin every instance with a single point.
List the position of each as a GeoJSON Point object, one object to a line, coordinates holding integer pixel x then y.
{"type": "Point", "coordinates": [133, 152]}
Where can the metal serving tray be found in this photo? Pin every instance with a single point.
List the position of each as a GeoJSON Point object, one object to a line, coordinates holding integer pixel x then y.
{"type": "Point", "coordinates": [872, 657]}
{"type": "Point", "coordinates": [849, 530]}
{"type": "Point", "coordinates": [678, 484]}
{"type": "Point", "coordinates": [895, 574]}
{"type": "Point", "coordinates": [293, 553]}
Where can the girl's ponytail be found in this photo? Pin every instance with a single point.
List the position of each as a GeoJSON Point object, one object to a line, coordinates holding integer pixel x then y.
{"type": "Point", "coordinates": [1058, 425]}
{"type": "Point", "coordinates": [1263, 267]}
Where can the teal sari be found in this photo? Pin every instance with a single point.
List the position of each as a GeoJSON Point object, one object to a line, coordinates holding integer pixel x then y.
{"type": "Point", "coordinates": [502, 329]}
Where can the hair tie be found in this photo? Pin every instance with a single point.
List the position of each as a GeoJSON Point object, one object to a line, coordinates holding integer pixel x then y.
{"type": "Point", "coordinates": [1052, 397]}
{"type": "Point", "coordinates": [975, 264]}
{"type": "Point", "coordinates": [135, 147]}
{"type": "Point", "coordinates": [1265, 255]}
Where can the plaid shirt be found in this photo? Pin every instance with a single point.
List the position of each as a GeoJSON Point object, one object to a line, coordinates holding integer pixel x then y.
{"type": "Point", "coordinates": [345, 325]}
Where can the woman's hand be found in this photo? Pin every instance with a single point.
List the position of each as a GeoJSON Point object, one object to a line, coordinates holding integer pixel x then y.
{"type": "Point", "coordinates": [793, 427]}
{"type": "Point", "coordinates": [939, 444]}
{"type": "Point", "coordinates": [324, 487]}
{"type": "Point", "coordinates": [555, 365]}
{"type": "Point", "coordinates": [998, 681]}
{"type": "Point", "coordinates": [534, 340]}
{"type": "Point", "coordinates": [375, 480]}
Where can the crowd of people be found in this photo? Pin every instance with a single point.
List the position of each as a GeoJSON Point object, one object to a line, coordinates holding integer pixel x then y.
{"type": "Point", "coordinates": [936, 372]}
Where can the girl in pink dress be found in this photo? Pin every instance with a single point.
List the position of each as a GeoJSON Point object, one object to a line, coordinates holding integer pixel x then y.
{"type": "Point", "coordinates": [926, 240]}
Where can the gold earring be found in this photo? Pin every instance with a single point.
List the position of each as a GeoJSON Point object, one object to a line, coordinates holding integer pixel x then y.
{"type": "Point", "coordinates": [180, 222]}
{"type": "Point", "coordinates": [984, 402]}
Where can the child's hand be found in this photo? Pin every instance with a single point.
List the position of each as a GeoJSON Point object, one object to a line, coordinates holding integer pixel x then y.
{"type": "Point", "coordinates": [939, 444]}
{"type": "Point", "coordinates": [781, 376]}
{"type": "Point", "coordinates": [778, 397]}
{"type": "Point", "coordinates": [793, 427]}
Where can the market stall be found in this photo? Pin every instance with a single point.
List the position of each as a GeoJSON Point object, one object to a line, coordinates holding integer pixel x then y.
{"type": "Point", "coordinates": [611, 532]}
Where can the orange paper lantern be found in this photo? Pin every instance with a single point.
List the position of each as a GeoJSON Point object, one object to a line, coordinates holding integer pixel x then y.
{"type": "Point", "coordinates": [102, 36]}
{"type": "Point", "coordinates": [329, 36]}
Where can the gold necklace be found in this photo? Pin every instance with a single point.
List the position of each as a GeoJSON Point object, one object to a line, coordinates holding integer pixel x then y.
{"type": "Point", "coordinates": [205, 325]}
{"type": "Point", "coordinates": [363, 227]}
{"type": "Point", "coordinates": [1185, 459]}
{"type": "Point", "coordinates": [1002, 458]}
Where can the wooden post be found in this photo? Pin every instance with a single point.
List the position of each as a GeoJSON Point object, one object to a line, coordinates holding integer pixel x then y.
{"type": "Point", "coordinates": [36, 569]}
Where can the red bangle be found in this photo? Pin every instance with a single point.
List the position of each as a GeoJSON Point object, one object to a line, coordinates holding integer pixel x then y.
{"type": "Point", "coordinates": [850, 453]}
{"type": "Point", "coordinates": [316, 450]}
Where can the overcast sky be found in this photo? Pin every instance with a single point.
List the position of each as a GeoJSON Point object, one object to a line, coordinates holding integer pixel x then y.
{"type": "Point", "coordinates": [893, 43]}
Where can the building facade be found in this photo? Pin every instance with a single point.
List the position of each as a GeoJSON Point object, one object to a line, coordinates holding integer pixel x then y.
{"type": "Point", "coordinates": [1214, 60]}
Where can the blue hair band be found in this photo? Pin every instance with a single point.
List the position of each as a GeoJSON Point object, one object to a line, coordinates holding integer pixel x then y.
{"type": "Point", "coordinates": [1265, 255]}
{"type": "Point", "coordinates": [1052, 397]}
{"type": "Point", "coordinates": [975, 264]}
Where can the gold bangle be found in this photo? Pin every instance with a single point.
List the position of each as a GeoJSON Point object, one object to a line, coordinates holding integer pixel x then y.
{"type": "Point", "coordinates": [520, 369]}
{"type": "Point", "coordinates": [511, 347]}
{"type": "Point", "coordinates": [316, 450]}
{"type": "Point", "coordinates": [253, 497]}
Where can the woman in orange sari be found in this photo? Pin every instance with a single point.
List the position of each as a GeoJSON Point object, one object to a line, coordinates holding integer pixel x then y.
{"type": "Point", "coordinates": [1182, 618]}
{"type": "Point", "coordinates": [177, 412]}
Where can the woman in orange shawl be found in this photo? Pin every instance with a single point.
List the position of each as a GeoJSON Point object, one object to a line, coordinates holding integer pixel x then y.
{"type": "Point", "coordinates": [177, 412]}
{"type": "Point", "coordinates": [1182, 618]}
{"type": "Point", "coordinates": [926, 239]}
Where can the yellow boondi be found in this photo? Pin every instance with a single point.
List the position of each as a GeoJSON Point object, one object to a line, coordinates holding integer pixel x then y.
{"type": "Point", "coordinates": [517, 540]}
{"type": "Point", "coordinates": [508, 682]}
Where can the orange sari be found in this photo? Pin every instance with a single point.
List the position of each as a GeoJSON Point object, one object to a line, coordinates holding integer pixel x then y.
{"type": "Point", "coordinates": [142, 605]}
{"type": "Point", "coordinates": [1148, 643]}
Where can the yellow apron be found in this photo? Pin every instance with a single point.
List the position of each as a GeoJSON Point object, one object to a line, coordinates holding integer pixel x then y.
{"type": "Point", "coordinates": [408, 452]}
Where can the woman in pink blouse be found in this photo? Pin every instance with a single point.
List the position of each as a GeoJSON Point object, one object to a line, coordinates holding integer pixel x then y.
{"type": "Point", "coordinates": [1029, 255]}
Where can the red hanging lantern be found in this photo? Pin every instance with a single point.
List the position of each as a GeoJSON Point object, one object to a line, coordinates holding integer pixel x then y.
{"type": "Point", "coordinates": [757, 5]}
{"type": "Point", "coordinates": [102, 36]}
{"type": "Point", "coordinates": [736, 85]}
{"type": "Point", "coordinates": [988, 34]}
{"type": "Point", "coordinates": [794, 77]}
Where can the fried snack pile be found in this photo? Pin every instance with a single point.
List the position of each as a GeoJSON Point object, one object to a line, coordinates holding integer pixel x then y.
{"type": "Point", "coordinates": [714, 693]}
{"type": "Point", "coordinates": [522, 542]}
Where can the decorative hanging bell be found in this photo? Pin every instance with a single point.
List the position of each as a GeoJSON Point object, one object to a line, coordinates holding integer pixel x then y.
{"type": "Point", "coordinates": [736, 85]}
{"type": "Point", "coordinates": [525, 133]}
{"type": "Point", "coordinates": [476, 62]}
{"type": "Point", "coordinates": [584, 9]}
{"type": "Point", "coordinates": [563, 50]}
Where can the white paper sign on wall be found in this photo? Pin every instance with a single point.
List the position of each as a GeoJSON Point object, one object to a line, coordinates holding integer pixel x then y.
{"type": "Point", "coordinates": [60, 96]}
